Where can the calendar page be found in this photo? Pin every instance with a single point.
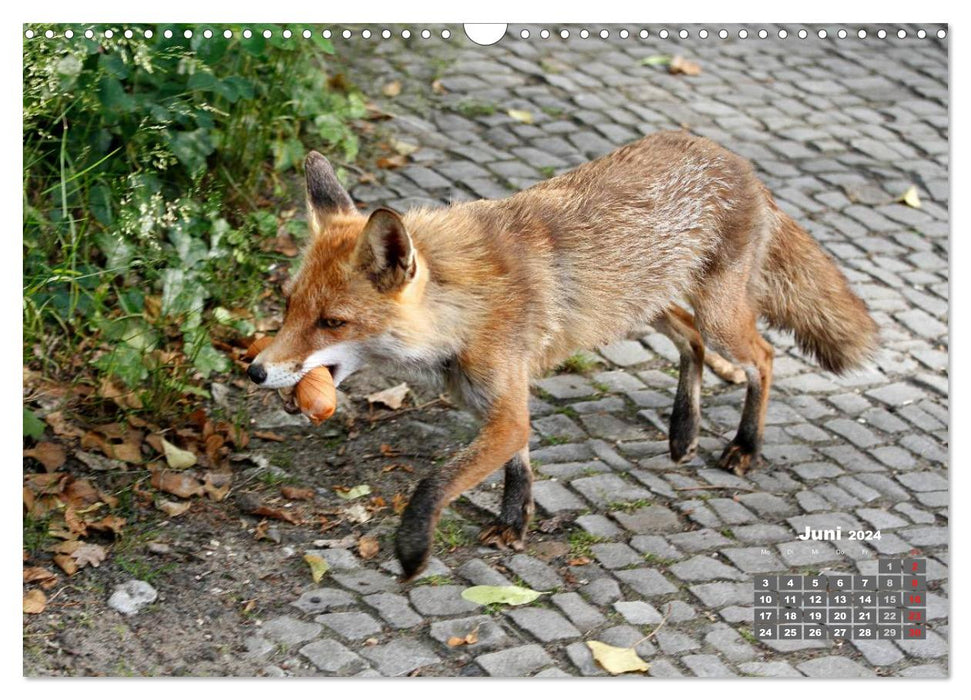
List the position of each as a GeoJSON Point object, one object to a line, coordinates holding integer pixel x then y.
{"type": "Point", "coordinates": [489, 350]}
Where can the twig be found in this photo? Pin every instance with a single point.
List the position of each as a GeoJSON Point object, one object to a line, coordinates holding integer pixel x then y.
{"type": "Point", "coordinates": [655, 630]}
{"type": "Point", "coordinates": [397, 412]}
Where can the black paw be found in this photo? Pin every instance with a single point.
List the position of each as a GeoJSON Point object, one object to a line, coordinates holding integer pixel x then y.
{"type": "Point", "coordinates": [413, 541]}
{"type": "Point", "coordinates": [503, 536]}
{"type": "Point", "coordinates": [736, 460]}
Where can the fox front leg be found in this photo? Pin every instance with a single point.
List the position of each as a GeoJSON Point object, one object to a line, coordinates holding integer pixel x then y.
{"type": "Point", "coordinates": [517, 505]}
{"type": "Point", "coordinates": [504, 435]}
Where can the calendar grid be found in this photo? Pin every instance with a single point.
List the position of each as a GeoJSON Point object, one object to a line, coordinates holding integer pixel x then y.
{"type": "Point", "coordinates": [891, 604]}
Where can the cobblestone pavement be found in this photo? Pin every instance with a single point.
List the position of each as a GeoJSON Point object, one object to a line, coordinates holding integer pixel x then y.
{"type": "Point", "coordinates": [838, 129]}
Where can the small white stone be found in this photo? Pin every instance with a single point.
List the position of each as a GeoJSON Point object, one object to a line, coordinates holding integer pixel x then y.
{"type": "Point", "coordinates": [132, 596]}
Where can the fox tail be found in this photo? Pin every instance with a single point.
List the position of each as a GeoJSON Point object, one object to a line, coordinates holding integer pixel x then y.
{"type": "Point", "coordinates": [801, 289]}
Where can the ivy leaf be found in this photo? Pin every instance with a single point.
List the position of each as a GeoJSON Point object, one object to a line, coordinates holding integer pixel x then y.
{"type": "Point", "coordinates": [33, 426]}
{"type": "Point", "coordinates": [616, 660]}
{"type": "Point", "coordinates": [352, 493]}
{"type": "Point", "coordinates": [510, 595]}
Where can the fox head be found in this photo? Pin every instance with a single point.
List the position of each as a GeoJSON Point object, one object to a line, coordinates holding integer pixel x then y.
{"type": "Point", "coordinates": [353, 296]}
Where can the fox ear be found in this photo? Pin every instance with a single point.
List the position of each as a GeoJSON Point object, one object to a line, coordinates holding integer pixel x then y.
{"type": "Point", "coordinates": [385, 251]}
{"type": "Point", "coordinates": [325, 194]}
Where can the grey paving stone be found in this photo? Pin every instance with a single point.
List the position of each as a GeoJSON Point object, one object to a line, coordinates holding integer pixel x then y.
{"type": "Point", "coordinates": [731, 512]}
{"type": "Point", "coordinates": [720, 594]}
{"type": "Point", "coordinates": [333, 658]}
{"type": "Point", "coordinates": [598, 525]}
{"type": "Point", "coordinates": [488, 633]}
{"type": "Point", "coordinates": [761, 533]}
{"type": "Point", "coordinates": [675, 642]}
{"type": "Point", "coordinates": [769, 669]}
{"type": "Point", "coordinates": [648, 582]}
{"type": "Point", "coordinates": [649, 520]}
{"type": "Point", "coordinates": [924, 481]}
{"type": "Point", "coordinates": [289, 630]}
{"type": "Point", "coordinates": [616, 555]}
{"type": "Point", "coordinates": [535, 573]}
{"type": "Point", "coordinates": [394, 609]}
{"type": "Point", "coordinates": [880, 518]}
{"type": "Point", "coordinates": [400, 656]}
{"type": "Point", "coordinates": [581, 657]}
{"type": "Point", "coordinates": [516, 662]}
{"type": "Point", "coordinates": [567, 386]}
{"type": "Point", "coordinates": [350, 625]}
{"type": "Point", "coordinates": [753, 560]}
{"type": "Point", "coordinates": [834, 667]}
{"type": "Point", "coordinates": [258, 646]}
{"type": "Point", "coordinates": [705, 568]}
{"type": "Point", "coordinates": [583, 615]}
{"type": "Point", "coordinates": [365, 581]}
{"type": "Point", "coordinates": [554, 497]}
{"type": "Point", "coordinates": [321, 600]}
{"type": "Point", "coordinates": [638, 612]}
{"type": "Point", "coordinates": [606, 489]}
{"type": "Point", "coordinates": [558, 426]}
{"type": "Point", "coordinates": [924, 671]}
{"type": "Point", "coordinates": [603, 591]}
{"type": "Point", "coordinates": [441, 600]}
{"type": "Point", "coordinates": [618, 381]}
{"type": "Point", "coordinates": [544, 624]}
{"type": "Point", "coordinates": [663, 668]}
{"type": "Point", "coordinates": [707, 666]}
{"type": "Point", "coordinates": [702, 540]}
{"type": "Point", "coordinates": [767, 505]}
{"type": "Point", "coordinates": [878, 652]}
{"type": "Point", "coordinates": [626, 353]}
{"type": "Point", "coordinates": [655, 548]}
{"type": "Point", "coordinates": [610, 427]}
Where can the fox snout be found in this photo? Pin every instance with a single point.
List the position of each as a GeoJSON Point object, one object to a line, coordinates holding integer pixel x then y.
{"type": "Point", "coordinates": [257, 373]}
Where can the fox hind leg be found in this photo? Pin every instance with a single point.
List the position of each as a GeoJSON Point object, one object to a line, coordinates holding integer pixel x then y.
{"type": "Point", "coordinates": [509, 531]}
{"type": "Point", "coordinates": [734, 331]}
{"type": "Point", "coordinates": [679, 325]}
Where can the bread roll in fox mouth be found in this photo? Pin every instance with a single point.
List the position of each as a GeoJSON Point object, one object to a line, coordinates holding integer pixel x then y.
{"type": "Point", "coordinates": [315, 395]}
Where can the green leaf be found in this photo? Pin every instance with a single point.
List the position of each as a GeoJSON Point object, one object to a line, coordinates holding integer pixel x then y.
{"type": "Point", "coordinates": [33, 426]}
{"type": "Point", "coordinates": [69, 66]}
{"type": "Point", "coordinates": [287, 154]}
{"type": "Point", "coordinates": [191, 148]}
{"type": "Point", "coordinates": [510, 595]}
{"type": "Point", "coordinates": [656, 60]}
{"type": "Point", "coordinates": [114, 65]}
{"type": "Point", "coordinates": [113, 96]}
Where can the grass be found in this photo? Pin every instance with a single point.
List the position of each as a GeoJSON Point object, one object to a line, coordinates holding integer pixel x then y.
{"type": "Point", "coordinates": [153, 178]}
{"type": "Point", "coordinates": [629, 506]}
{"type": "Point", "coordinates": [451, 533]}
{"type": "Point", "coordinates": [471, 109]}
{"type": "Point", "coordinates": [581, 542]}
{"type": "Point", "coordinates": [578, 363]}
{"type": "Point", "coordinates": [549, 440]}
{"type": "Point", "coordinates": [550, 171]}
{"type": "Point", "coordinates": [658, 561]}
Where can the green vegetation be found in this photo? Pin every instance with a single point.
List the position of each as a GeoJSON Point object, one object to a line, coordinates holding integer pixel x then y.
{"type": "Point", "coordinates": [578, 363]}
{"type": "Point", "coordinates": [581, 542]}
{"type": "Point", "coordinates": [151, 166]}
{"type": "Point", "coordinates": [472, 109]}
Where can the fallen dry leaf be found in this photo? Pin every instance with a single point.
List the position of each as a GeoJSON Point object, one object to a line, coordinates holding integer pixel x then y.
{"type": "Point", "coordinates": [171, 508]}
{"type": "Point", "coordinates": [181, 485]}
{"type": "Point", "coordinates": [318, 567]}
{"type": "Point", "coordinates": [67, 563]}
{"type": "Point", "coordinates": [471, 638]}
{"type": "Point", "coordinates": [109, 523]}
{"type": "Point", "coordinates": [217, 485]}
{"type": "Point", "coordinates": [39, 575]}
{"type": "Point", "coordinates": [269, 435]}
{"type": "Point", "coordinates": [616, 660]}
{"type": "Point", "coordinates": [51, 455]}
{"type": "Point", "coordinates": [176, 457]}
{"type": "Point", "coordinates": [34, 601]}
{"type": "Point", "coordinates": [100, 463]}
{"type": "Point", "coordinates": [392, 89]}
{"type": "Point", "coordinates": [294, 493]}
{"type": "Point", "coordinates": [398, 503]}
{"type": "Point", "coordinates": [368, 547]}
{"type": "Point", "coordinates": [122, 396]}
{"type": "Point", "coordinates": [681, 65]}
{"type": "Point", "coordinates": [403, 147]}
{"type": "Point", "coordinates": [391, 162]}
{"type": "Point", "coordinates": [392, 398]}
{"type": "Point", "coordinates": [89, 554]}
{"type": "Point", "coordinates": [521, 115]}
{"type": "Point", "coordinates": [910, 197]}
{"type": "Point", "coordinates": [61, 426]}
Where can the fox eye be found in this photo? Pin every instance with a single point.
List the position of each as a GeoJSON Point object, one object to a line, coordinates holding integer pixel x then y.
{"type": "Point", "coordinates": [324, 322]}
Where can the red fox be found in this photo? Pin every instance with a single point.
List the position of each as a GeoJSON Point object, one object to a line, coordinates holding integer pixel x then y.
{"type": "Point", "coordinates": [483, 296]}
